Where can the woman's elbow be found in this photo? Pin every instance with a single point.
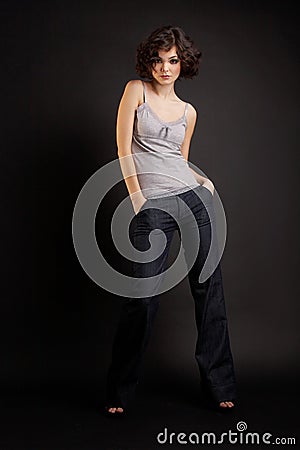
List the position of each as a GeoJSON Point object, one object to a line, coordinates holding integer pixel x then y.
{"type": "Point", "coordinates": [123, 151]}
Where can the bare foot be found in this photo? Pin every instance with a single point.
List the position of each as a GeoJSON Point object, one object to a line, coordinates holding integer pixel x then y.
{"type": "Point", "coordinates": [114, 410]}
{"type": "Point", "coordinates": [226, 404]}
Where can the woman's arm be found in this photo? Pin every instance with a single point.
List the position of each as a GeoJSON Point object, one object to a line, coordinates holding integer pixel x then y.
{"type": "Point", "coordinates": [125, 120]}
{"type": "Point", "coordinates": [185, 147]}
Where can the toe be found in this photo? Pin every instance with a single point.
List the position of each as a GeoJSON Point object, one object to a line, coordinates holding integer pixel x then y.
{"type": "Point", "coordinates": [114, 410]}
{"type": "Point", "coordinates": [226, 404]}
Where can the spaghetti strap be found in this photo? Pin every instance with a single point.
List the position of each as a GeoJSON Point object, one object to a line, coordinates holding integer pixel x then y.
{"type": "Point", "coordinates": [144, 88]}
{"type": "Point", "coordinates": [185, 109]}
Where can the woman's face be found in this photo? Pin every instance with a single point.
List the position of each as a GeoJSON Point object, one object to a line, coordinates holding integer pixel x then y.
{"type": "Point", "coordinates": [166, 68]}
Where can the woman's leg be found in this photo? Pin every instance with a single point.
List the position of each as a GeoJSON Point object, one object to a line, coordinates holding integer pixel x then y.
{"type": "Point", "coordinates": [213, 351]}
{"type": "Point", "coordinates": [137, 314]}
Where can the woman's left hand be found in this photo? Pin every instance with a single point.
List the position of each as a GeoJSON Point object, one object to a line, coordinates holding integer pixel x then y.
{"type": "Point", "coordinates": [137, 200]}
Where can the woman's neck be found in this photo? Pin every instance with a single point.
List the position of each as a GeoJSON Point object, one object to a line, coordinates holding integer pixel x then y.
{"type": "Point", "coordinates": [164, 92]}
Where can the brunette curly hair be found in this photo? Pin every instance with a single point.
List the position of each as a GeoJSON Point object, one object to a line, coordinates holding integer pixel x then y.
{"type": "Point", "coordinates": [164, 38]}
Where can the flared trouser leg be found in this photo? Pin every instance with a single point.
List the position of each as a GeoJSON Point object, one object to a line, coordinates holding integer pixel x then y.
{"type": "Point", "coordinates": [137, 314]}
{"type": "Point", "coordinates": [130, 342]}
{"type": "Point", "coordinates": [213, 351]}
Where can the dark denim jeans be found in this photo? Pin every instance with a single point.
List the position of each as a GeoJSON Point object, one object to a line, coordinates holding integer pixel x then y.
{"type": "Point", "coordinates": [213, 351]}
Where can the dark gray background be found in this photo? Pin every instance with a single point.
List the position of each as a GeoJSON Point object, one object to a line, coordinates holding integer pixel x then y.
{"type": "Point", "coordinates": [64, 67]}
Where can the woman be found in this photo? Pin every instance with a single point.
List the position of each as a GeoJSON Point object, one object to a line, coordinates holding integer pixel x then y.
{"type": "Point", "coordinates": [154, 130]}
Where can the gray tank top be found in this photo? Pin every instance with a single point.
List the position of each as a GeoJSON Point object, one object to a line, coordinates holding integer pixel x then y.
{"type": "Point", "coordinates": [161, 168]}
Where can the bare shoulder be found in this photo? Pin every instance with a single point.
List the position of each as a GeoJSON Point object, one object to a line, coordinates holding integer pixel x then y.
{"type": "Point", "coordinates": [134, 91]}
{"type": "Point", "coordinates": [191, 111]}
{"type": "Point", "coordinates": [134, 86]}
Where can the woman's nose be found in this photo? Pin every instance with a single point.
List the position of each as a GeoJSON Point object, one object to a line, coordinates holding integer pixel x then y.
{"type": "Point", "coordinates": [164, 67]}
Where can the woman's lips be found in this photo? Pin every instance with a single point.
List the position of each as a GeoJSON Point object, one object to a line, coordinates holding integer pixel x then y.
{"type": "Point", "coordinates": [165, 76]}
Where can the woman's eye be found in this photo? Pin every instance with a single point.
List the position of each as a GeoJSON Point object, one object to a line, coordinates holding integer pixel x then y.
{"type": "Point", "coordinates": [159, 61]}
